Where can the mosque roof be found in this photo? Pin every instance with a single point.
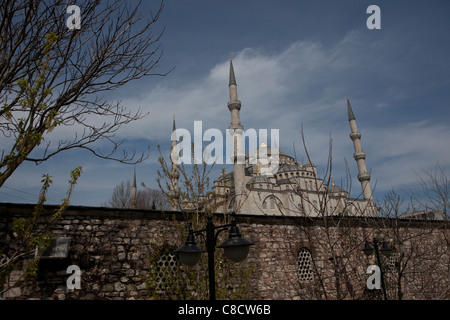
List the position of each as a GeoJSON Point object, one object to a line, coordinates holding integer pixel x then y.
{"type": "Point", "coordinates": [266, 150]}
{"type": "Point", "coordinates": [290, 167]}
{"type": "Point", "coordinates": [258, 179]}
{"type": "Point", "coordinates": [335, 189]}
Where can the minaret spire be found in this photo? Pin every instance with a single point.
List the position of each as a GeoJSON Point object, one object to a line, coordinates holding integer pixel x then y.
{"type": "Point", "coordinates": [174, 127]}
{"type": "Point", "coordinates": [351, 115]}
{"type": "Point", "coordinates": [236, 131]}
{"type": "Point", "coordinates": [232, 76]}
{"type": "Point", "coordinates": [359, 155]}
{"type": "Point", "coordinates": [133, 203]}
{"type": "Point", "coordinates": [174, 174]}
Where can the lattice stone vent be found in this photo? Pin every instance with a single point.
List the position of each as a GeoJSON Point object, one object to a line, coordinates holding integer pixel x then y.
{"type": "Point", "coordinates": [166, 270]}
{"type": "Point", "coordinates": [305, 270]}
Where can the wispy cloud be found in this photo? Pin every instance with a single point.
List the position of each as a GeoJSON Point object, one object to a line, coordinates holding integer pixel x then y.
{"type": "Point", "coordinates": [306, 83]}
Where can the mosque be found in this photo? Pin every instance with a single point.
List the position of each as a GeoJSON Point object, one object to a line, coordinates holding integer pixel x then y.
{"type": "Point", "coordinates": [294, 189]}
{"type": "Point", "coordinates": [128, 253]}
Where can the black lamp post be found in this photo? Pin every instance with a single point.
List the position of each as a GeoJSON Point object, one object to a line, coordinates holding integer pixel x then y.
{"type": "Point", "coordinates": [235, 248]}
{"type": "Point", "coordinates": [385, 250]}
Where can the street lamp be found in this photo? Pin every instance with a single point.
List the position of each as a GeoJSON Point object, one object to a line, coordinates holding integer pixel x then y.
{"type": "Point", "coordinates": [190, 253]}
{"type": "Point", "coordinates": [385, 250]}
{"type": "Point", "coordinates": [235, 248]}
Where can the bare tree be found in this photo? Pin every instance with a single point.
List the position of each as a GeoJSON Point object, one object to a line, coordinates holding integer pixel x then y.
{"type": "Point", "coordinates": [145, 199]}
{"type": "Point", "coordinates": [329, 231]}
{"type": "Point", "coordinates": [121, 196]}
{"type": "Point", "coordinates": [419, 265]}
{"type": "Point", "coordinates": [417, 231]}
{"type": "Point", "coordinates": [151, 198]}
{"type": "Point", "coordinates": [193, 192]}
{"type": "Point", "coordinates": [52, 76]}
{"type": "Point", "coordinates": [434, 193]}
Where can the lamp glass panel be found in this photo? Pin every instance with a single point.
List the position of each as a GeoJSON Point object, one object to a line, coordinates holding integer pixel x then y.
{"type": "Point", "coordinates": [189, 258]}
{"type": "Point", "coordinates": [236, 253]}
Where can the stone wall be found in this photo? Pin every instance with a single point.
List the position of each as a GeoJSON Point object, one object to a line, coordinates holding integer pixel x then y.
{"type": "Point", "coordinates": [417, 269]}
{"type": "Point", "coordinates": [112, 248]}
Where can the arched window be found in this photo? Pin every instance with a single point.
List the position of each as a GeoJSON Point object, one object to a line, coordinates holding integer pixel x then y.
{"type": "Point", "coordinates": [271, 202]}
{"type": "Point", "coordinates": [305, 269]}
{"type": "Point", "coordinates": [315, 206]}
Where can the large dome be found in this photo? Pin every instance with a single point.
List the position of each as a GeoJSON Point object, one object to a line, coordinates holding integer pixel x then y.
{"type": "Point", "coordinates": [290, 167]}
{"type": "Point", "coordinates": [264, 151]}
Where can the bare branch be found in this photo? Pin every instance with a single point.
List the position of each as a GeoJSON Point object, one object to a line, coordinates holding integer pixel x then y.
{"type": "Point", "coordinates": [51, 76]}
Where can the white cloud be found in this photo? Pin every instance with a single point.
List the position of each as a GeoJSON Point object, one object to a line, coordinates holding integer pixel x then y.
{"type": "Point", "coordinates": [398, 152]}
{"type": "Point", "coordinates": [306, 83]}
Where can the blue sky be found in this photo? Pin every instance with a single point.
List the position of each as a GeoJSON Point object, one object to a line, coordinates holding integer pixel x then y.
{"type": "Point", "coordinates": [294, 61]}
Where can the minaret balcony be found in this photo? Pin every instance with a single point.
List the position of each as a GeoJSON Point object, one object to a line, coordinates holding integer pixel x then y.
{"type": "Point", "coordinates": [355, 135]}
{"type": "Point", "coordinates": [175, 175]}
{"type": "Point", "coordinates": [236, 129]}
{"type": "Point", "coordinates": [232, 105]}
{"type": "Point", "coordinates": [365, 176]}
{"type": "Point", "coordinates": [239, 158]}
{"type": "Point", "coordinates": [359, 155]}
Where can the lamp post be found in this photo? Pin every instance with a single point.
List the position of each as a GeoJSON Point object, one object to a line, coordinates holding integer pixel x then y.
{"type": "Point", "coordinates": [235, 248]}
{"type": "Point", "coordinates": [385, 250]}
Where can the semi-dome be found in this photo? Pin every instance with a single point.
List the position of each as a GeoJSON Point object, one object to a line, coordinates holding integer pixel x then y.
{"type": "Point", "coordinates": [258, 180]}
{"type": "Point", "coordinates": [227, 176]}
{"type": "Point", "coordinates": [336, 189]}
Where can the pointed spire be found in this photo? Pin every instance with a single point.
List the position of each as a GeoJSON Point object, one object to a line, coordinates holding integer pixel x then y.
{"type": "Point", "coordinates": [263, 145]}
{"type": "Point", "coordinates": [351, 115]}
{"type": "Point", "coordinates": [133, 204]}
{"type": "Point", "coordinates": [174, 138]}
{"type": "Point", "coordinates": [232, 76]}
{"type": "Point", "coordinates": [234, 103]}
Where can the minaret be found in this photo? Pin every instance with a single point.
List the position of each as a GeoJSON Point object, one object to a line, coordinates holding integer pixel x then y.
{"type": "Point", "coordinates": [236, 131]}
{"type": "Point", "coordinates": [174, 174]}
{"type": "Point", "coordinates": [359, 155]}
{"type": "Point", "coordinates": [133, 204]}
